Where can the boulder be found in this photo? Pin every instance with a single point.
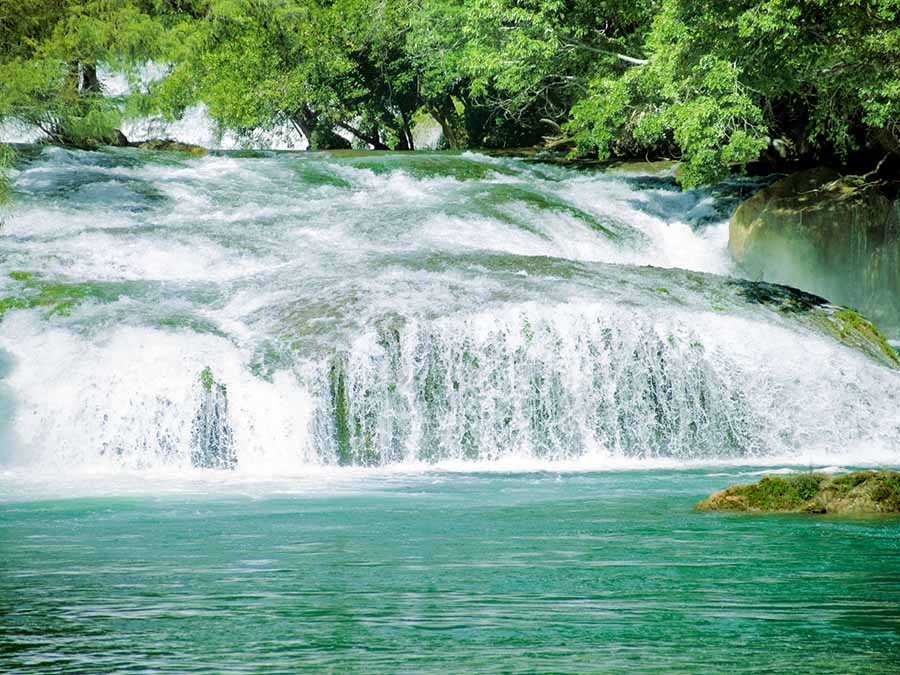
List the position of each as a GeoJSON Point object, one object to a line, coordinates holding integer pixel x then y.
{"type": "Point", "coordinates": [835, 236]}
{"type": "Point", "coordinates": [859, 492]}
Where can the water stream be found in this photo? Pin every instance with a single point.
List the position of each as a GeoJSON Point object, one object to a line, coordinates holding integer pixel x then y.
{"type": "Point", "coordinates": [275, 312]}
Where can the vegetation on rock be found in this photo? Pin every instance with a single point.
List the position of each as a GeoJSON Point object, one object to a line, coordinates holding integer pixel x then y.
{"type": "Point", "coordinates": [169, 145]}
{"type": "Point", "coordinates": [858, 492]}
{"type": "Point", "coordinates": [56, 298]}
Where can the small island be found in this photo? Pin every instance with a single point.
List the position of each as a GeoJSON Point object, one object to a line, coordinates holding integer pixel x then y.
{"type": "Point", "coordinates": [858, 492]}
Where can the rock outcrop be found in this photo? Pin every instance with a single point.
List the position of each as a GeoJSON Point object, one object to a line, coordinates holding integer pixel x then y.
{"type": "Point", "coordinates": [169, 145]}
{"type": "Point", "coordinates": [859, 492]}
{"type": "Point", "coordinates": [838, 237]}
{"type": "Point", "coordinates": [212, 441]}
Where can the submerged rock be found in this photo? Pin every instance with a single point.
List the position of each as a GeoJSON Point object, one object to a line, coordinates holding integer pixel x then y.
{"type": "Point", "coordinates": [858, 492]}
{"type": "Point", "coordinates": [212, 442]}
{"type": "Point", "coordinates": [835, 236]}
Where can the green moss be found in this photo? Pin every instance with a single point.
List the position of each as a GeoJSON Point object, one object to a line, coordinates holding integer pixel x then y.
{"type": "Point", "coordinates": [168, 145]}
{"type": "Point", "coordinates": [852, 323]}
{"type": "Point", "coordinates": [247, 154]}
{"type": "Point", "coordinates": [21, 276]}
{"type": "Point", "coordinates": [207, 379]}
{"type": "Point", "coordinates": [783, 494]}
{"type": "Point", "coordinates": [857, 492]}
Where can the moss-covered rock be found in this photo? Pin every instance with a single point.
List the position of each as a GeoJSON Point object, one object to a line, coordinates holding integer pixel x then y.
{"type": "Point", "coordinates": [169, 145]}
{"type": "Point", "coordinates": [212, 437]}
{"type": "Point", "coordinates": [835, 236]}
{"type": "Point", "coordinates": [56, 298]}
{"type": "Point", "coordinates": [858, 492]}
{"type": "Point", "coordinates": [845, 325]}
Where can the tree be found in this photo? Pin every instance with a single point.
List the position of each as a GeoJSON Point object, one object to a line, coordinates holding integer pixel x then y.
{"type": "Point", "coordinates": [318, 66]}
{"type": "Point", "coordinates": [48, 75]}
{"type": "Point", "coordinates": [723, 79]}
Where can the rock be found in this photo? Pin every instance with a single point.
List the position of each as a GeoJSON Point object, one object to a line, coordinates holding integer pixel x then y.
{"type": "Point", "coordinates": [859, 492]}
{"type": "Point", "coordinates": [119, 139]}
{"type": "Point", "coordinates": [169, 145]}
{"type": "Point", "coordinates": [838, 237]}
{"type": "Point", "coordinates": [212, 438]}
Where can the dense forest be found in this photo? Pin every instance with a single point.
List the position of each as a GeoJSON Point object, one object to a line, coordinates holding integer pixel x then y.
{"type": "Point", "coordinates": [716, 84]}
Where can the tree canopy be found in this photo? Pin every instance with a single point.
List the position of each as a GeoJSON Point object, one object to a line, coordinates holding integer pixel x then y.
{"type": "Point", "coordinates": [718, 84]}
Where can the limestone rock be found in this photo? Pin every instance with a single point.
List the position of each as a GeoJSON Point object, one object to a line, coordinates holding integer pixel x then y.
{"type": "Point", "coordinates": [838, 237]}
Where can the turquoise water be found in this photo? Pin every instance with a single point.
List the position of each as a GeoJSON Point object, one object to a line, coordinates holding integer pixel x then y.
{"type": "Point", "coordinates": [607, 572]}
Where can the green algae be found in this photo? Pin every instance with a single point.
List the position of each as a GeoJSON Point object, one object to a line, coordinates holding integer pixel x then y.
{"type": "Point", "coordinates": [341, 411]}
{"type": "Point", "coordinates": [316, 174]}
{"type": "Point", "coordinates": [858, 492]}
{"type": "Point", "coordinates": [495, 202]}
{"type": "Point", "coordinates": [527, 330]}
{"type": "Point", "coordinates": [246, 153]}
{"type": "Point", "coordinates": [56, 298]}
{"type": "Point", "coordinates": [191, 323]}
{"type": "Point", "coordinates": [844, 324]}
{"type": "Point", "coordinates": [426, 166]}
{"type": "Point", "coordinates": [355, 445]}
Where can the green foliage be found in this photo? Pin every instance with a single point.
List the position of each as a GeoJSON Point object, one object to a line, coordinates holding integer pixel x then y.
{"type": "Point", "coordinates": [48, 75]}
{"type": "Point", "coordinates": [716, 84]}
{"type": "Point", "coordinates": [6, 160]}
{"type": "Point", "coordinates": [723, 79]}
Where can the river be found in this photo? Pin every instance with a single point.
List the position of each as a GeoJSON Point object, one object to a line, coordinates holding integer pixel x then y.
{"type": "Point", "coordinates": [411, 413]}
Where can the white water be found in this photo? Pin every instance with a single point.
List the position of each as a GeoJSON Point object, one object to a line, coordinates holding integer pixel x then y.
{"type": "Point", "coordinates": [402, 311]}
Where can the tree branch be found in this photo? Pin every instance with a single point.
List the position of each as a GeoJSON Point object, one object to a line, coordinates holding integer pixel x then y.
{"type": "Point", "coordinates": [622, 57]}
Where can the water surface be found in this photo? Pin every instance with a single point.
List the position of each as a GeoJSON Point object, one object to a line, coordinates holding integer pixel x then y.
{"type": "Point", "coordinates": [437, 572]}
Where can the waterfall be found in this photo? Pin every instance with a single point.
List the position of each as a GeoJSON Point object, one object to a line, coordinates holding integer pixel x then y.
{"type": "Point", "coordinates": [274, 313]}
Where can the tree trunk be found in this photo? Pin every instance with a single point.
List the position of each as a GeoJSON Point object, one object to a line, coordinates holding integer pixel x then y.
{"type": "Point", "coordinates": [302, 127]}
{"type": "Point", "coordinates": [319, 135]}
{"type": "Point", "coordinates": [90, 83]}
{"type": "Point", "coordinates": [444, 111]}
{"type": "Point", "coordinates": [407, 130]}
{"type": "Point", "coordinates": [371, 139]}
